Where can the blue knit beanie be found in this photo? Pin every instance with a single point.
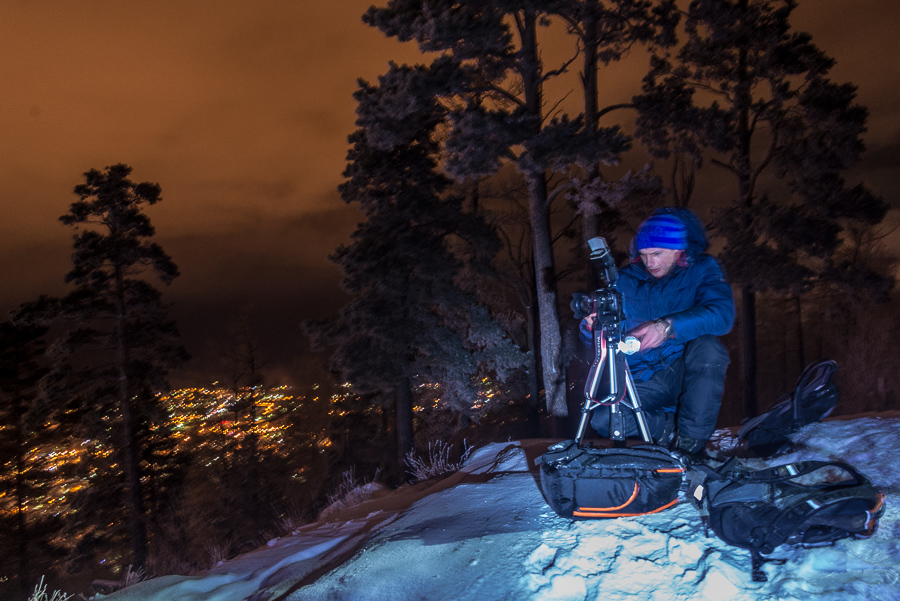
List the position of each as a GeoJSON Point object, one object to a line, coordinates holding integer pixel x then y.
{"type": "Point", "coordinates": [661, 231]}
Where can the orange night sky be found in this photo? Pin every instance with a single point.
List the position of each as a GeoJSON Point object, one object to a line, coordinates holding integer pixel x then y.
{"type": "Point", "coordinates": [241, 111]}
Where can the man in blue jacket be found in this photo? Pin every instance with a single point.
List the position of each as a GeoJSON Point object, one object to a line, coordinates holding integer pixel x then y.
{"type": "Point", "coordinates": [676, 302]}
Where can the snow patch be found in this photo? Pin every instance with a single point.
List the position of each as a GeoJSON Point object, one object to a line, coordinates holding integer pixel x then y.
{"type": "Point", "coordinates": [497, 457]}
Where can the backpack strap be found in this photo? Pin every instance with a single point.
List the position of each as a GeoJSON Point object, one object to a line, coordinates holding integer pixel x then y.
{"type": "Point", "coordinates": [756, 564]}
{"type": "Point", "coordinates": [789, 471]}
{"type": "Point", "coordinates": [815, 376]}
{"type": "Point", "coordinates": [804, 506]}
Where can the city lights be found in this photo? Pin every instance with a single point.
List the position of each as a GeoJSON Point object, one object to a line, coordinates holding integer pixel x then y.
{"type": "Point", "coordinates": [209, 420]}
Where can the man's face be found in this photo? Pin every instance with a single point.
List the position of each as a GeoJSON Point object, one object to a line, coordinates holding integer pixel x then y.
{"type": "Point", "coordinates": [659, 261]}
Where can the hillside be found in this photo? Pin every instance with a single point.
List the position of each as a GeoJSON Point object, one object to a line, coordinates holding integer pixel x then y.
{"type": "Point", "coordinates": [485, 533]}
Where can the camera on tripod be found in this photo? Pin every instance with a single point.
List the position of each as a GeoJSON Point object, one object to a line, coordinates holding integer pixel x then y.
{"type": "Point", "coordinates": [605, 302]}
{"type": "Point", "coordinates": [609, 349]}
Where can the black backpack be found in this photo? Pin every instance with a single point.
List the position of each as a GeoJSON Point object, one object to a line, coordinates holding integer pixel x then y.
{"type": "Point", "coordinates": [587, 483]}
{"type": "Point", "coordinates": [812, 400]}
{"type": "Point", "coordinates": [761, 510]}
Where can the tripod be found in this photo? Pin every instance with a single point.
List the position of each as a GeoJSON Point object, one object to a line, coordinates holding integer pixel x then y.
{"type": "Point", "coordinates": [608, 355]}
{"type": "Point", "coordinates": [606, 305]}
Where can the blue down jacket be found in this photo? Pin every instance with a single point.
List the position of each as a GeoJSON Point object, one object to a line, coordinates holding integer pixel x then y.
{"type": "Point", "coordinates": [694, 296]}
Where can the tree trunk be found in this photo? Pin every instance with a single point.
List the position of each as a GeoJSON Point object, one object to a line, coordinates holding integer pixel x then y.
{"type": "Point", "coordinates": [801, 340]}
{"type": "Point", "coordinates": [134, 500]}
{"type": "Point", "coordinates": [748, 350]}
{"type": "Point", "coordinates": [404, 424]}
{"type": "Point", "coordinates": [534, 389]}
{"type": "Point", "coordinates": [590, 87]}
{"type": "Point", "coordinates": [552, 361]}
{"type": "Point", "coordinates": [785, 360]}
{"type": "Point", "coordinates": [742, 102]}
{"type": "Point", "coordinates": [20, 521]}
{"type": "Point", "coordinates": [253, 453]}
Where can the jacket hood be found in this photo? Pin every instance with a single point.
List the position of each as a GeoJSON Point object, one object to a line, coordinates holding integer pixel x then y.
{"type": "Point", "coordinates": [696, 231]}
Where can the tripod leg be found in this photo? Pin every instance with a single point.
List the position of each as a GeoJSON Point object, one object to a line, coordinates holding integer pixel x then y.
{"type": "Point", "coordinates": [590, 391]}
{"type": "Point", "coordinates": [636, 406]}
{"type": "Point", "coordinates": [616, 420]}
{"type": "Point", "coordinates": [582, 425]}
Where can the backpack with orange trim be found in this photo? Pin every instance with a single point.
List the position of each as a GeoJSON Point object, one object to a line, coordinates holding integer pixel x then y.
{"type": "Point", "coordinates": [586, 483]}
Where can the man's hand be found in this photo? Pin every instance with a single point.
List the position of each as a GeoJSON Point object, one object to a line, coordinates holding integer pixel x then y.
{"type": "Point", "coordinates": [651, 334]}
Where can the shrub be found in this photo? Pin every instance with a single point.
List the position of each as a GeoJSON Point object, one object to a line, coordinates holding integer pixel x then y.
{"type": "Point", "coordinates": [40, 593]}
{"type": "Point", "coordinates": [437, 462]}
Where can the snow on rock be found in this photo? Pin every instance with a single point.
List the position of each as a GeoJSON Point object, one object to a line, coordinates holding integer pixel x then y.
{"type": "Point", "coordinates": [242, 577]}
{"type": "Point", "coordinates": [654, 557]}
{"type": "Point", "coordinates": [497, 457]}
{"type": "Point", "coordinates": [485, 533]}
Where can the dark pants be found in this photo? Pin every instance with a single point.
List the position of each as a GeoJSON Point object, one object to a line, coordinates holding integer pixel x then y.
{"type": "Point", "coordinates": [691, 389]}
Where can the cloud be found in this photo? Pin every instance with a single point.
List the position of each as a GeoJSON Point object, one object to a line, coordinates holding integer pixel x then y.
{"type": "Point", "coordinates": [884, 155]}
{"type": "Point", "coordinates": [241, 112]}
{"type": "Point", "coordinates": [274, 270]}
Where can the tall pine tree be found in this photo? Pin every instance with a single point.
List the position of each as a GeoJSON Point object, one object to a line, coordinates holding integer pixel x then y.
{"type": "Point", "coordinates": [411, 324]}
{"type": "Point", "coordinates": [754, 95]}
{"type": "Point", "coordinates": [121, 346]}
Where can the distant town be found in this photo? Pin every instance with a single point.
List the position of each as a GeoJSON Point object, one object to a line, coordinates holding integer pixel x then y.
{"type": "Point", "coordinates": [210, 418]}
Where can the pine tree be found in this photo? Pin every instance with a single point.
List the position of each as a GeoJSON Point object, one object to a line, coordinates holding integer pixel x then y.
{"type": "Point", "coordinates": [754, 95]}
{"type": "Point", "coordinates": [607, 32]}
{"type": "Point", "coordinates": [245, 365]}
{"type": "Point", "coordinates": [125, 346]}
{"type": "Point", "coordinates": [27, 432]}
{"type": "Point", "coordinates": [497, 115]}
{"type": "Point", "coordinates": [411, 324]}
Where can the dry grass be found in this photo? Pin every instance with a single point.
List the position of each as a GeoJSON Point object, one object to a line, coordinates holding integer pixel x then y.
{"type": "Point", "coordinates": [437, 462]}
{"type": "Point", "coordinates": [40, 594]}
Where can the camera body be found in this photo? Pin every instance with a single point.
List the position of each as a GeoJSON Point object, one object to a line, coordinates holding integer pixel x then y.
{"type": "Point", "coordinates": [605, 302]}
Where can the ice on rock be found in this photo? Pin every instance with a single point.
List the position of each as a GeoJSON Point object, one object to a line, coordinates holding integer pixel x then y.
{"type": "Point", "coordinates": [684, 553]}
{"type": "Point", "coordinates": [720, 585]}
{"type": "Point", "coordinates": [541, 557]}
{"type": "Point", "coordinates": [565, 587]}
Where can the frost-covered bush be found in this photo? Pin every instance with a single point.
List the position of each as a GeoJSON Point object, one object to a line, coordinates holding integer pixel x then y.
{"type": "Point", "coordinates": [437, 462]}
{"type": "Point", "coordinates": [132, 576]}
{"type": "Point", "coordinates": [40, 593]}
